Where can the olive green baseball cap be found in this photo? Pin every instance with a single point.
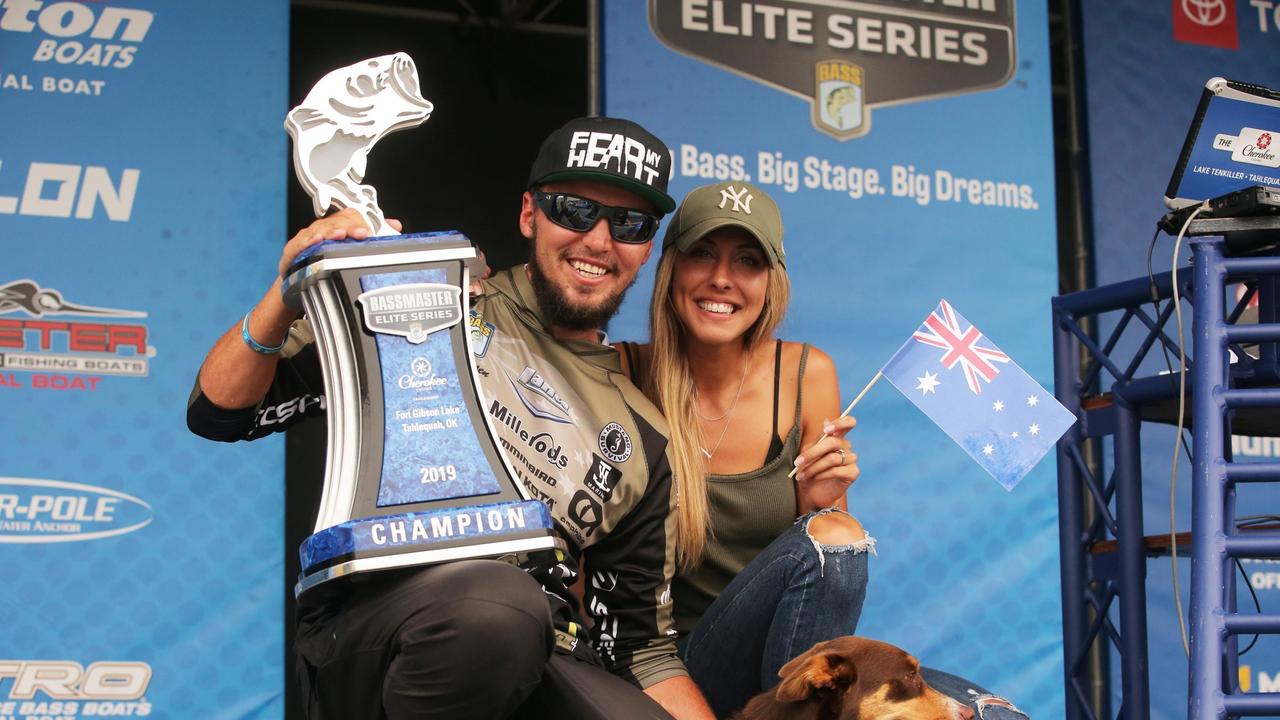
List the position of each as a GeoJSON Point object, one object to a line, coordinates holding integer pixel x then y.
{"type": "Point", "coordinates": [725, 204]}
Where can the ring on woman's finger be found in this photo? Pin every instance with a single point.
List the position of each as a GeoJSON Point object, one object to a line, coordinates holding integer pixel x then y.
{"type": "Point", "coordinates": [842, 456]}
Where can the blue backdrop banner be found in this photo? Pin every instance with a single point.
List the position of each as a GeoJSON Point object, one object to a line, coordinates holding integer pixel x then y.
{"type": "Point", "coordinates": [909, 146]}
{"type": "Point", "coordinates": [142, 174]}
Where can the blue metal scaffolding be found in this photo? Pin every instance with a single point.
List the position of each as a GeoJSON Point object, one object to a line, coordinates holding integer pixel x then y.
{"type": "Point", "coordinates": [1107, 385]}
{"type": "Point", "coordinates": [1214, 619]}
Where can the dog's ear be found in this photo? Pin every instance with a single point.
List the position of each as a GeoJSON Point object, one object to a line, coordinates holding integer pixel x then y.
{"type": "Point", "coordinates": [815, 670]}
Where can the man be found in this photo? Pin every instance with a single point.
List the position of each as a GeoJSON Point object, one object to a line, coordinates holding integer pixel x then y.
{"type": "Point", "coordinates": [483, 638]}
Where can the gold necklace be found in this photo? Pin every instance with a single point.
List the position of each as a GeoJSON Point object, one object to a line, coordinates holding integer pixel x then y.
{"type": "Point", "coordinates": [741, 383]}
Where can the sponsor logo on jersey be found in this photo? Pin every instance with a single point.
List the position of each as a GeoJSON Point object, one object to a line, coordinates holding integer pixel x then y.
{"type": "Point", "coordinates": [602, 478]}
{"type": "Point", "coordinates": [542, 443]}
{"type": "Point", "coordinates": [34, 510]}
{"type": "Point", "coordinates": [527, 469]}
{"type": "Point", "coordinates": [37, 337]}
{"type": "Point", "coordinates": [481, 334]}
{"type": "Point", "coordinates": [615, 443]}
{"type": "Point", "coordinates": [539, 398]}
{"type": "Point", "coordinates": [585, 512]}
{"type": "Point", "coordinates": [604, 580]}
{"type": "Point", "coordinates": [279, 414]}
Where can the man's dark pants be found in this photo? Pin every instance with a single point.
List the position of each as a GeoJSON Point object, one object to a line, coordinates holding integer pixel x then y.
{"type": "Point", "coordinates": [470, 639]}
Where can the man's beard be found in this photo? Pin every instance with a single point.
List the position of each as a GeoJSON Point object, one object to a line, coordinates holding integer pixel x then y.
{"type": "Point", "coordinates": [561, 312]}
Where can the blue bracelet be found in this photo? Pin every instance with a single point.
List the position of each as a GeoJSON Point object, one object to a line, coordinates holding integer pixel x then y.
{"type": "Point", "coordinates": [254, 345]}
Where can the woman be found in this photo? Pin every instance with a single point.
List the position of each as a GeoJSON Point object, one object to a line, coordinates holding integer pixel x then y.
{"type": "Point", "coordinates": [769, 565]}
{"type": "Point", "coordinates": [742, 407]}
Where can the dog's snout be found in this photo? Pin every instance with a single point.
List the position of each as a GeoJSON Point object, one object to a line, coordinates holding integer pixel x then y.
{"type": "Point", "coordinates": [964, 713]}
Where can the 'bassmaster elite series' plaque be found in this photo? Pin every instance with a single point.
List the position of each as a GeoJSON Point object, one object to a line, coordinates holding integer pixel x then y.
{"type": "Point", "coordinates": [413, 475]}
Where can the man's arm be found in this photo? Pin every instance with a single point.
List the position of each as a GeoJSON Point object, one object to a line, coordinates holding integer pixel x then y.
{"type": "Point", "coordinates": [233, 376]}
{"type": "Point", "coordinates": [628, 589]}
{"type": "Point", "coordinates": [680, 697]}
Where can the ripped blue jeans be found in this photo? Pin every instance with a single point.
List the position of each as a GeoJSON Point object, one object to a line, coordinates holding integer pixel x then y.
{"type": "Point", "coordinates": [797, 592]}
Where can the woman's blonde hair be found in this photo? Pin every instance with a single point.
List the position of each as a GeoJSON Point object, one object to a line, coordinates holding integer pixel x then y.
{"type": "Point", "coordinates": [669, 383]}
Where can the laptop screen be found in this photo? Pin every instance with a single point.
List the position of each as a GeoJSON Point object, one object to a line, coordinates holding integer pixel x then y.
{"type": "Point", "coordinates": [1233, 143]}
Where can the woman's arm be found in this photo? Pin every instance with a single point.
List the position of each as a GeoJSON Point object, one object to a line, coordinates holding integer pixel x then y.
{"type": "Point", "coordinates": [827, 465]}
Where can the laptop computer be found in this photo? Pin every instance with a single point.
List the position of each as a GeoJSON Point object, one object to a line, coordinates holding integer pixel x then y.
{"type": "Point", "coordinates": [1230, 160]}
{"type": "Point", "coordinates": [1233, 143]}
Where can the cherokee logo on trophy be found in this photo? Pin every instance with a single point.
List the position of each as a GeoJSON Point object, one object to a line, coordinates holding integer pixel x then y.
{"type": "Point", "coordinates": [412, 473]}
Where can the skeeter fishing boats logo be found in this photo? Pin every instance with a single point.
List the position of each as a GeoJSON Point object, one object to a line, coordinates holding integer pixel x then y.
{"type": "Point", "coordinates": [31, 342]}
{"type": "Point", "coordinates": [846, 58]}
{"type": "Point", "coordinates": [33, 510]}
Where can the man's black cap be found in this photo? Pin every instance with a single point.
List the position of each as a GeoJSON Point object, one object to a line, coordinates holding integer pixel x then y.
{"type": "Point", "coordinates": [609, 150]}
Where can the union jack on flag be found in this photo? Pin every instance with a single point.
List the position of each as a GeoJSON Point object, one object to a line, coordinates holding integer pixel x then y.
{"type": "Point", "coordinates": [998, 414]}
{"type": "Point", "coordinates": [942, 329]}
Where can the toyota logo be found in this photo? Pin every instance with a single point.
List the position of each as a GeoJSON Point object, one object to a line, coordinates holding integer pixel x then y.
{"type": "Point", "coordinates": [1205, 12]}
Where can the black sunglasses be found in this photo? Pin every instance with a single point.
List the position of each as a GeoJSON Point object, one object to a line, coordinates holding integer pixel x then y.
{"type": "Point", "coordinates": [581, 214]}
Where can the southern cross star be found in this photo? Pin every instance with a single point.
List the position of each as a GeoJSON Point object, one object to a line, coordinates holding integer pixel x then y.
{"type": "Point", "coordinates": [928, 383]}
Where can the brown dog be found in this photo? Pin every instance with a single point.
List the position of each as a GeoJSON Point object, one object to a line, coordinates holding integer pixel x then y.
{"type": "Point", "coordinates": [853, 678]}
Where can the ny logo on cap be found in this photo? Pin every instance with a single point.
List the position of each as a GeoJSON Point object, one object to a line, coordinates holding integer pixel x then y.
{"type": "Point", "coordinates": [739, 203]}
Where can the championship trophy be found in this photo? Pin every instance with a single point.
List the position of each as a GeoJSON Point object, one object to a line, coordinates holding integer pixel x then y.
{"type": "Point", "coordinates": [413, 474]}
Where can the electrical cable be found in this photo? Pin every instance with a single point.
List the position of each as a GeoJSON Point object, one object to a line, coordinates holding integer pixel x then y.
{"type": "Point", "coordinates": [1257, 606]}
{"type": "Point", "coordinates": [1182, 409]}
{"type": "Point", "coordinates": [1242, 521]}
{"type": "Point", "coordinates": [1155, 304]}
{"type": "Point", "coordinates": [1245, 521]}
{"type": "Point", "coordinates": [1151, 276]}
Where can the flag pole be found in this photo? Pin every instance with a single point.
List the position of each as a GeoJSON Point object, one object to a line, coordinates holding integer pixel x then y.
{"type": "Point", "coordinates": [874, 380]}
{"type": "Point", "coordinates": [856, 400]}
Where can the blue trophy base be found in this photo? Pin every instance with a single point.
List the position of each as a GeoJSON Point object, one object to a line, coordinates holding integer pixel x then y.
{"type": "Point", "coordinates": [424, 538]}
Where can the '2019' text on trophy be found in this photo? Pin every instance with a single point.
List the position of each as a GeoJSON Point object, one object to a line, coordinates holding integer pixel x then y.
{"type": "Point", "coordinates": [413, 475]}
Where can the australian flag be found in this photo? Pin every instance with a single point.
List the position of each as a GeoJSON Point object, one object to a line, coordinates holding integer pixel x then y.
{"type": "Point", "coordinates": [978, 395]}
